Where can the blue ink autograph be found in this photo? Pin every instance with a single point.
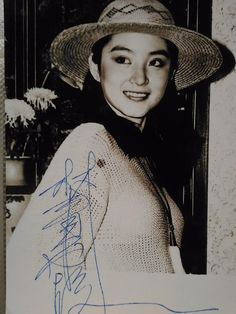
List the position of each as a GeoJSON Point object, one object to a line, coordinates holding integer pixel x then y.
{"type": "Point", "coordinates": [70, 278]}
{"type": "Point", "coordinates": [69, 281]}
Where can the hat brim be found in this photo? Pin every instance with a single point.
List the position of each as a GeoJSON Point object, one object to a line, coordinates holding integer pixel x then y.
{"type": "Point", "coordinates": [198, 56]}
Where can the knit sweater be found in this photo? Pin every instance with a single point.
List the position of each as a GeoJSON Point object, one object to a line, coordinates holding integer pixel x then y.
{"type": "Point", "coordinates": [96, 201]}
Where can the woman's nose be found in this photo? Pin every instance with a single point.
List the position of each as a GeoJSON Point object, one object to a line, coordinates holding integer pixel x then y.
{"type": "Point", "coordinates": [139, 76]}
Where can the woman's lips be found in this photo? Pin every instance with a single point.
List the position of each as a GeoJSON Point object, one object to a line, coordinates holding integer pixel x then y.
{"type": "Point", "coordinates": [136, 96]}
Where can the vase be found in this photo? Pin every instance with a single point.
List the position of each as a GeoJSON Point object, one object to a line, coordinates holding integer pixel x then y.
{"type": "Point", "coordinates": [20, 172]}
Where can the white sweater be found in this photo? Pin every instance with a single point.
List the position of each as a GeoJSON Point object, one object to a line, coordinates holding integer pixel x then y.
{"type": "Point", "coordinates": [105, 207]}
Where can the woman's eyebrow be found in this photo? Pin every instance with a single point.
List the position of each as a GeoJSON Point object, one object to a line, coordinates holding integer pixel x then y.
{"type": "Point", "coordinates": [151, 53]}
{"type": "Point", "coordinates": [160, 52]}
{"type": "Point", "coordinates": [118, 48]}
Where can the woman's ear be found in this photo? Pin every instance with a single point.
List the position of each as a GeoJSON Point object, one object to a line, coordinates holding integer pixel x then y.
{"type": "Point", "coordinates": [93, 67]}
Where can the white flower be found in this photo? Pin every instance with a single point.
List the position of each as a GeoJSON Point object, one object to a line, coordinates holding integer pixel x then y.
{"type": "Point", "coordinates": [40, 98]}
{"type": "Point", "coordinates": [15, 108]}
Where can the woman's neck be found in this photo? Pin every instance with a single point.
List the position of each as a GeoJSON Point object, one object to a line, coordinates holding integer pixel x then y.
{"type": "Point", "coordinates": [142, 125]}
{"type": "Point", "coordinates": [138, 122]}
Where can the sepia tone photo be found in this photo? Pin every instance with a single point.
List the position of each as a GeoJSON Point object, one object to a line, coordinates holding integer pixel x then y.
{"type": "Point", "coordinates": [111, 149]}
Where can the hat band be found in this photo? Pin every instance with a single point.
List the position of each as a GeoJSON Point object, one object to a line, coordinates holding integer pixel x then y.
{"type": "Point", "coordinates": [133, 13]}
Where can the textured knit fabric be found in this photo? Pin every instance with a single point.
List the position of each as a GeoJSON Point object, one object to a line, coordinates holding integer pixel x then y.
{"type": "Point", "coordinates": [115, 211]}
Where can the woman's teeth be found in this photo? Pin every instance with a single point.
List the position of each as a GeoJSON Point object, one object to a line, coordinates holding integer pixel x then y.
{"type": "Point", "coordinates": [136, 95]}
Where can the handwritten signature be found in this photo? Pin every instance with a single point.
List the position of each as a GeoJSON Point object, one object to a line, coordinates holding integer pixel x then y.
{"type": "Point", "coordinates": [71, 293]}
{"type": "Point", "coordinates": [69, 280]}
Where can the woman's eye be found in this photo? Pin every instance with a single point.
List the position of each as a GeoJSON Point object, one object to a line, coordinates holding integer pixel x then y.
{"type": "Point", "coordinates": [122, 60]}
{"type": "Point", "coordinates": [157, 63]}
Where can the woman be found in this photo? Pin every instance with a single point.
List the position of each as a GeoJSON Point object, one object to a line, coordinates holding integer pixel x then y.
{"type": "Point", "coordinates": [101, 204]}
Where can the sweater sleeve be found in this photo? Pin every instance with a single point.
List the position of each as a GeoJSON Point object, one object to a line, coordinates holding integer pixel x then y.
{"type": "Point", "coordinates": [65, 213]}
{"type": "Point", "coordinates": [73, 194]}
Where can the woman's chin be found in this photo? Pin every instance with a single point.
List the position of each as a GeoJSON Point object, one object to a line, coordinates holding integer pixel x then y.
{"type": "Point", "coordinates": [134, 117]}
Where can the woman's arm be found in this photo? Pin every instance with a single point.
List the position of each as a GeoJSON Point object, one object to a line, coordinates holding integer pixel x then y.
{"type": "Point", "coordinates": [46, 254]}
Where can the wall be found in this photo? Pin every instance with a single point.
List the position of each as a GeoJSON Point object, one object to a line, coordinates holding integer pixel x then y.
{"type": "Point", "coordinates": [222, 152]}
{"type": "Point", "coordinates": [2, 206]}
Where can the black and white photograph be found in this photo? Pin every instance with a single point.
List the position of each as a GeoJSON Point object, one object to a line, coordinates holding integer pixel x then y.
{"type": "Point", "coordinates": [120, 156]}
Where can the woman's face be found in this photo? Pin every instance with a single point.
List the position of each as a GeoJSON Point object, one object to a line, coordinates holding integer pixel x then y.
{"type": "Point", "coordinates": [133, 73]}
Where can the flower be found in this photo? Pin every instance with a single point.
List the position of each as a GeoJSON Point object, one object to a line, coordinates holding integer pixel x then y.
{"type": "Point", "coordinates": [26, 120]}
{"type": "Point", "coordinates": [40, 98]}
{"type": "Point", "coordinates": [14, 109]}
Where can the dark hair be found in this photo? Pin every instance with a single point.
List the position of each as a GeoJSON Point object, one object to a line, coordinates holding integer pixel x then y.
{"type": "Point", "coordinates": [97, 49]}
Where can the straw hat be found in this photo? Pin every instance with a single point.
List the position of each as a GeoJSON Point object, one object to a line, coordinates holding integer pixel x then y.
{"type": "Point", "coordinates": [198, 57]}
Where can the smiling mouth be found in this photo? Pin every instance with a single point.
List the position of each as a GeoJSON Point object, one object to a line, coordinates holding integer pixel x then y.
{"type": "Point", "coordinates": [136, 96]}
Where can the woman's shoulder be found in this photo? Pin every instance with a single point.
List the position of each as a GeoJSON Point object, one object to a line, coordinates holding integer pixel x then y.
{"type": "Point", "coordinates": [85, 145]}
{"type": "Point", "coordinates": [89, 129]}
{"type": "Point", "coordinates": [89, 134]}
